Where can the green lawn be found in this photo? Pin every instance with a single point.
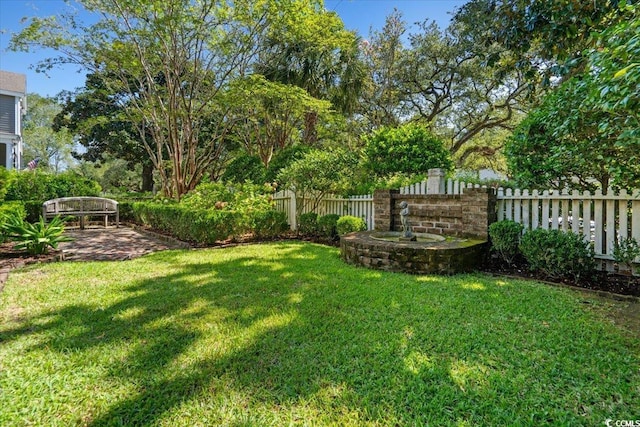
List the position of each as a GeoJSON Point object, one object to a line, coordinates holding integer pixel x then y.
{"type": "Point", "coordinates": [285, 333]}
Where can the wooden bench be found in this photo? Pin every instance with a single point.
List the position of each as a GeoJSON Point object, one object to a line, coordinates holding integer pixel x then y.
{"type": "Point", "coordinates": [81, 207]}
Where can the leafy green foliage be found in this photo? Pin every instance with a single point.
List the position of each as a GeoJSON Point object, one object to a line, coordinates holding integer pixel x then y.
{"type": "Point", "coordinates": [317, 174]}
{"type": "Point", "coordinates": [308, 223]}
{"type": "Point", "coordinates": [283, 158]}
{"type": "Point", "coordinates": [269, 224]}
{"type": "Point", "coordinates": [201, 226]}
{"type": "Point", "coordinates": [41, 141]}
{"type": "Point", "coordinates": [35, 238]}
{"type": "Point", "coordinates": [626, 251]}
{"type": "Point", "coordinates": [348, 224]}
{"type": "Point", "coordinates": [408, 149]}
{"type": "Point", "coordinates": [245, 168]}
{"type": "Point", "coordinates": [41, 186]}
{"type": "Point", "coordinates": [94, 114]}
{"type": "Point", "coordinates": [561, 144]}
{"type": "Point", "coordinates": [269, 115]}
{"type": "Point", "coordinates": [558, 254]}
{"type": "Point", "coordinates": [213, 212]}
{"type": "Point", "coordinates": [10, 210]}
{"type": "Point", "coordinates": [505, 239]}
{"type": "Point", "coordinates": [327, 225]}
{"type": "Point", "coordinates": [5, 179]}
{"type": "Point", "coordinates": [554, 31]}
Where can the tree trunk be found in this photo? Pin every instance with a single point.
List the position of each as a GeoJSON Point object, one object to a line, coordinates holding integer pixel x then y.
{"type": "Point", "coordinates": [310, 132]}
{"type": "Point", "coordinates": [147, 177]}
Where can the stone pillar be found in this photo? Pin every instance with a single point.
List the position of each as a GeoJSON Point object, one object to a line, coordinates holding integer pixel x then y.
{"type": "Point", "coordinates": [478, 212]}
{"type": "Point", "coordinates": [435, 181]}
{"type": "Point", "coordinates": [382, 208]}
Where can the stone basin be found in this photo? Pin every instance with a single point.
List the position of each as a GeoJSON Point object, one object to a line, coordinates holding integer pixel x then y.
{"type": "Point", "coordinates": [430, 254]}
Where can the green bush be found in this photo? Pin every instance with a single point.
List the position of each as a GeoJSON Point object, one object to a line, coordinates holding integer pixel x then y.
{"type": "Point", "coordinates": [626, 251]}
{"type": "Point", "coordinates": [14, 208]}
{"type": "Point", "coordinates": [283, 158]}
{"type": "Point", "coordinates": [201, 226]}
{"type": "Point", "coordinates": [409, 149]}
{"type": "Point", "coordinates": [10, 210]}
{"type": "Point", "coordinates": [558, 254]}
{"type": "Point", "coordinates": [5, 179]}
{"type": "Point", "coordinates": [308, 223]}
{"type": "Point", "coordinates": [125, 209]}
{"type": "Point", "coordinates": [245, 168]}
{"type": "Point", "coordinates": [327, 225]}
{"type": "Point", "coordinates": [40, 187]}
{"type": "Point", "coordinates": [348, 224]}
{"type": "Point", "coordinates": [208, 226]}
{"type": "Point", "coordinates": [35, 238]}
{"type": "Point", "coordinates": [269, 224]}
{"type": "Point", "coordinates": [505, 238]}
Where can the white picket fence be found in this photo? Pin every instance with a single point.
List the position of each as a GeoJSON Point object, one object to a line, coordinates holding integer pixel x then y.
{"type": "Point", "coordinates": [603, 218]}
{"type": "Point", "coordinates": [449, 187]}
{"type": "Point", "coordinates": [360, 206]}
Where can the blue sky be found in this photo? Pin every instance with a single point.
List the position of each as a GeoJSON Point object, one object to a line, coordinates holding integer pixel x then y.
{"type": "Point", "coordinates": [359, 15]}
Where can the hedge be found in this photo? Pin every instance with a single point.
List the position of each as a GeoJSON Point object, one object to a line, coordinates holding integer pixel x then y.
{"type": "Point", "coordinates": [206, 226]}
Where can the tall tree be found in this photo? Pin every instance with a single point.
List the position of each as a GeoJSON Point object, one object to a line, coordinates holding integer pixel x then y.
{"type": "Point", "coordinates": [40, 141]}
{"type": "Point", "coordinates": [314, 51]}
{"type": "Point", "coordinates": [447, 83]}
{"type": "Point", "coordinates": [270, 116]}
{"type": "Point", "coordinates": [548, 37]}
{"type": "Point", "coordinates": [442, 79]}
{"type": "Point", "coordinates": [585, 133]}
{"type": "Point", "coordinates": [94, 115]}
{"type": "Point", "coordinates": [381, 100]}
{"type": "Point", "coordinates": [174, 59]}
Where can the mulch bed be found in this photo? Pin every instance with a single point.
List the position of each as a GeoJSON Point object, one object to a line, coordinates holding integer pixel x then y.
{"type": "Point", "coordinates": [602, 281]}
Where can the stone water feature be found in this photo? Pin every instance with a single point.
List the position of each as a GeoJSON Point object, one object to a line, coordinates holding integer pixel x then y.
{"type": "Point", "coordinates": [426, 233]}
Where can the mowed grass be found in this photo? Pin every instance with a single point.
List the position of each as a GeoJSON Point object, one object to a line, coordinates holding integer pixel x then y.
{"type": "Point", "coordinates": [287, 334]}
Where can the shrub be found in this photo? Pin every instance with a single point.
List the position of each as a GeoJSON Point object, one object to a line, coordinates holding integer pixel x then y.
{"type": "Point", "coordinates": [5, 179]}
{"type": "Point", "coordinates": [35, 238]}
{"type": "Point", "coordinates": [348, 224]}
{"type": "Point", "coordinates": [40, 186]}
{"type": "Point", "coordinates": [626, 251]}
{"type": "Point", "coordinates": [557, 254]}
{"type": "Point", "coordinates": [308, 223]}
{"type": "Point", "coordinates": [195, 225]}
{"type": "Point", "coordinates": [283, 158]}
{"type": "Point", "coordinates": [14, 208]}
{"type": "Point", "coordinates": [269, 224]}
{"type": "Point", "coordinates": [409, 149]}
{"type": "Point", "coordinates": [245, 168]}
{"type": "Point", "coordinates": [208, 226]}
{"type": "Point", "coordinates": [505, 238]}
{"type": "Point", "coordinates": [327, 225]}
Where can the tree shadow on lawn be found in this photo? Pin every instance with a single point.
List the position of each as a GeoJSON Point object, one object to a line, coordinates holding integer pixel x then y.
{"type": "Point", "coordinates": [301, 334]}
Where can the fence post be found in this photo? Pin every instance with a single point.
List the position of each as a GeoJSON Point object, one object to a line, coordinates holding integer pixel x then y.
{"type": "Point", "coordinates": [293, 210]}
{"type": "Point", "coordinates": [435, 181]}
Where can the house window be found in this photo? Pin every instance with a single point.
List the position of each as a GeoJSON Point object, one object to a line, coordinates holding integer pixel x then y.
{"type": "Point", "coordinates": [7, 115]}
{"type": "Point", "coordinates": [3, 155]}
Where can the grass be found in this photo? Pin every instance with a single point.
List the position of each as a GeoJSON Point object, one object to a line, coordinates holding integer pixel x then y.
{"type": "Point", "coordinates": [284, 334]}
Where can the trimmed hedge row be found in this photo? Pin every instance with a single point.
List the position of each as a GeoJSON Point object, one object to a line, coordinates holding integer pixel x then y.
{"type": "Point", "coordinates": [206, 227]}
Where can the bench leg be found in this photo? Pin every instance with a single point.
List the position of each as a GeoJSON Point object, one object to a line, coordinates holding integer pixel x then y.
{"type": "Point", "coordinates": [81, 222]}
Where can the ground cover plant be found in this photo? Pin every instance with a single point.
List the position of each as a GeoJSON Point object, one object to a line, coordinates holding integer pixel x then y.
{"type": "Point", "coordinates": [286, 333]}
